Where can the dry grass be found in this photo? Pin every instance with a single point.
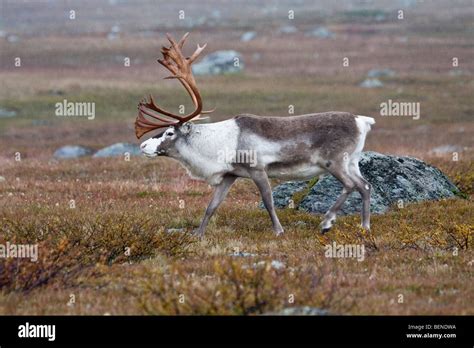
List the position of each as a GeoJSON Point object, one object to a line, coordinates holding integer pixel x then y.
{"type": "Point", "coordinates": [423, 251]}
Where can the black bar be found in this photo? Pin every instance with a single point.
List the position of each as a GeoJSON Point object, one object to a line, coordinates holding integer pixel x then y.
{"type": "Point", "coordinates": [262, 330]}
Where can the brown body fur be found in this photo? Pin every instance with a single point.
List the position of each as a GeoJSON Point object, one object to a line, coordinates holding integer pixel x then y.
{"type": "Point", "coordinates": [328, 132]}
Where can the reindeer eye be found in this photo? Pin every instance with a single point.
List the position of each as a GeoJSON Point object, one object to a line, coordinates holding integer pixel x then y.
{"type": "Point", "coordinates": [169, 134]}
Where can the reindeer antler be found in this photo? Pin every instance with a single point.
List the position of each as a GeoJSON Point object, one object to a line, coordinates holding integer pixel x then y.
{"type": "Point", "coordinates": [180, 67]}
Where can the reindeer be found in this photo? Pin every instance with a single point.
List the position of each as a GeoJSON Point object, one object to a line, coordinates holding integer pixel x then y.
{"type": "Point", "coordinates": [296, 147]}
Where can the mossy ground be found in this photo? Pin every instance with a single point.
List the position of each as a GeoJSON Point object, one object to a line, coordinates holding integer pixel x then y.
{"type": "Point", "coordinates": [113, 253]}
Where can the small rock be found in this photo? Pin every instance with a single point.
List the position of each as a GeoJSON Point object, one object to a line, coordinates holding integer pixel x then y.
{"type": "Point", "coordinates": [13, 38]}
{"type": "Point", "coordinates": [443, 149]}
{"type": "Point", "coordinates": [287, 29]}
{"type": "Point", "coordinates": [4, 113]}
{"type": "Point", "coordinates": [256, 56]}
{"type": "Point", "coordinates": [300, 223]}
{"type": "Point", "coordinates": [219, 62]}
{"type": "Point", "coordinates": [407, 3]}
{"type": "Point", "coordinates": [175, 230]}
{"type": "Point", "coordinates": [259, 264]}
{"type": "Point", "coordinates": [118, 149]}
{"type": "Point", "coordinates": [112, 36]}
{"type": "Point", "coordinates": [305, 310]}
{"type": "Point", "coordinates": [373, 73]}
{"type": "Point", "coordinates": [242, 254]}
{"type": "Point", "coordinates": [2, 179]}
{"type": "Point", "coordinates": [371, 83]}
{"type": "Point", "coordinates": [402, 39]}
{"type": "Point", "coordinates": [457, 72]}
{"type": "Point", "coordinates": [115, 29]}
{"type": "Point", "coordinates": [248, 36]}
{"type": "Point", "coordinates": [55, 91]}
{"type": "Point", "coordinates": [114, 33]}
{"type": "Point", "coordinates": [380, 17]}
{"type": "Point", "coordinates": [268, 10]}
{"type": "Point", "coordinates": [321, 32]}
{"type": "Point", "coordinates": [72, 151]}
{"type": "Point", "coordinates": [200, 21]}
{"type": "Point", "coordinates": [120, 58]}
{"type": "Point", "coordinates": [277, 264]}
{"type": "Point", "coordinates": [42, 122]}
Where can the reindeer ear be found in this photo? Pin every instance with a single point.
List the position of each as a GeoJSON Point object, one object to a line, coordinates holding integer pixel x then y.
{"type": "Point", "coordinates": [186, 128]}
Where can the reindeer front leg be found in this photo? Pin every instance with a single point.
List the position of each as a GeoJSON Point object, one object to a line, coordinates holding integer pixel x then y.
{"type": "Point", "coordinates": [261, 180]}
{"type": "Point", "coordinates": [219, 195]}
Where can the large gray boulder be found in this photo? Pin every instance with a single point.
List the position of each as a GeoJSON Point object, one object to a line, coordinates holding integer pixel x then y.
{"type": "Point", "coordinates": [119, 149]}
{"type": "Point", "coordinates": [395, 180]}
{"type": "Point", "coordinates": [219, 62]}
{"type": "Point", "coordinates": [283, 194]}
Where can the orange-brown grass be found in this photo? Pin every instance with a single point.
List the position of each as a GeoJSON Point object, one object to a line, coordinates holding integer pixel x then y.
{"type": "Point", "coordinates": [422, 252]}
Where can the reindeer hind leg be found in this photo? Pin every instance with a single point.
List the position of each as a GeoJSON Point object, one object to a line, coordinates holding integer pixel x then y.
{"type": "Point", "coordinates": [340, 172]}
{"type": "Point", "coordinates": [364, 188]}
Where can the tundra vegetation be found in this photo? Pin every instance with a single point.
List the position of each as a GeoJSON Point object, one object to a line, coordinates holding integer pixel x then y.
{"type": "Point", "coordinates": [112, 232]}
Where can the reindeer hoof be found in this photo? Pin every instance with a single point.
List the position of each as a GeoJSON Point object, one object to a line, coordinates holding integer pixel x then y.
{"type": "Point", "coordinates": [325, 230]}
{"type": "Point", "coordinates": [327, 223]}
{"type": "Point", "coordinates": [197, 233]}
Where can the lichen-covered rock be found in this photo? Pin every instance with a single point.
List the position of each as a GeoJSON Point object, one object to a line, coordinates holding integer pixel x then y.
{"type": "Point", "coordinates": [394, 180]}
{"type": "Point", "coordinates": [285, 192]}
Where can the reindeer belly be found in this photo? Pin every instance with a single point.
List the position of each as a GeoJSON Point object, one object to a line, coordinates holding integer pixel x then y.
{"type": "Point", "coordinates": [289, 160]}
{"type": "Point", "coordinates": [291, 171]}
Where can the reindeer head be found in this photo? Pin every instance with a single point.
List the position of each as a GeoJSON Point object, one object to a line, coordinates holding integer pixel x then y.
{"type": "Point", "coordinates": [164, 144]}
{"type": "Point", "coordinates": [177, 126]}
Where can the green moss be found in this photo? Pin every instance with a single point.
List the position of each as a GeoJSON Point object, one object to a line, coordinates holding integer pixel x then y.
{"type": "Point", "coordinates": [460, 194]}
{"type": "Point", "coordinates": [300, 195]}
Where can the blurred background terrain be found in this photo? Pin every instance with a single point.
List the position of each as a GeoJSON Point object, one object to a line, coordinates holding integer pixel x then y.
{"type": "Point", "coordinates": [286, 62]}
